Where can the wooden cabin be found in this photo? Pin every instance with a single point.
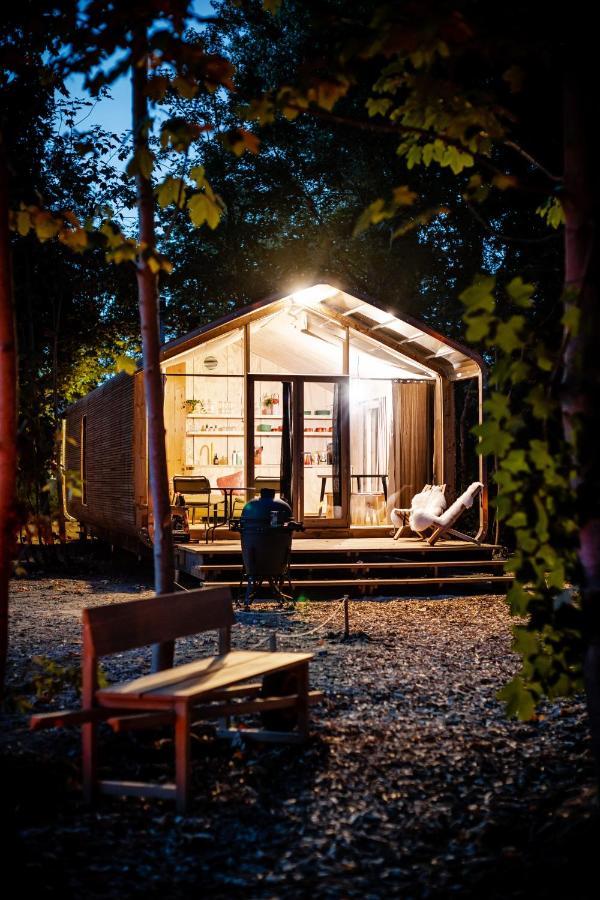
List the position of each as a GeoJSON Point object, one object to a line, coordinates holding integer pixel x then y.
{"type": "Point", "coordinates": [351, 405]}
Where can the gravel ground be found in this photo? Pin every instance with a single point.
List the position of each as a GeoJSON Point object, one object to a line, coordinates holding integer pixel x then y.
{"type": "Point", "coordinates": [414, 784]}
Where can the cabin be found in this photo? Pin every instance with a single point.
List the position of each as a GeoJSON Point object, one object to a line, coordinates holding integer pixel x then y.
{"type": "Point", "coordinates": [345, 408]}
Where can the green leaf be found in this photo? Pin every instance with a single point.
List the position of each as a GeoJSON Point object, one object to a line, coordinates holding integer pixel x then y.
{"type": "Point", "coordinates": [540, 455]}
{"type": "Point", "coordinates": [171, 190]}
{"type": "Point", "coordinates": [542, 527]}
{"type": "Point", "coordinates": [508, 336]}
{"type": "Point", "coordinates": [518, 520]}
{"type": "Point", "coordinates": [479, 295]}
{"type": "Point", "coordinates": [413, 156]}
{"type": "Point", "coordinates": [125, 364]}
{"type": "Point", "coordinates": [518, 699]}
{"type": "Point", "coordinates": [525, 642]}
{"type": "Point", "coordinates": [520, 292]}
{"type": "Point", "coordinates": [493, 439]}
{"type": "Point", "coordinates": [497, 405]}
{"type": "Point", "coordinates": [518, 599]}
{"type": "Point", "coordinates": [202, 209]}
{"type": "Point", "coordinates": [23, 222]}
{"type": "Point", "coordinates": [378, 106]}
{"type": "Point", "coordinates": [428, 154]}
{"type": "Point", "coordinates": [540, 403]}
{"type": "Point", "coordinates": [515, 461]}
{"type": "Point", "coordinates": [552, 211]}
{"type": "Point", "coordinates": [478, 327]}
{"type": "Point", "coordinates": [197, 175]}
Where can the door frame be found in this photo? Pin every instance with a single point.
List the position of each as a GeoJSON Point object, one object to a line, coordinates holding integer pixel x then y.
{"type": "Point", "coordinates": [298, 382]}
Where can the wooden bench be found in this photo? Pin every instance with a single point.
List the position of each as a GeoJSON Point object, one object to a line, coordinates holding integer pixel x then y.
{"type": "Point", "coordinates": [216, 687]}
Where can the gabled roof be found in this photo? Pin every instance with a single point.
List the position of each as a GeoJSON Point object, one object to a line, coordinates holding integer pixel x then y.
{"type": "Point", "coordinates": [402, 333]}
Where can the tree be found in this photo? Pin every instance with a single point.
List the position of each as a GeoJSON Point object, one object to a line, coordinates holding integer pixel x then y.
{"type": "Point", "coordinates": [90, 35]}
{"type": "Point", "coordinates": [21, 42]}
{"type": "Point", "coordinates": [459, 90]}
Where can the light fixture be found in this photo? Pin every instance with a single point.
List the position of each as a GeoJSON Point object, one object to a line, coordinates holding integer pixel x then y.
{"type": "Point", "coordinates": [316, 293]}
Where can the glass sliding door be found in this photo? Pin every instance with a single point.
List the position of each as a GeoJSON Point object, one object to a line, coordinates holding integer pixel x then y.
{"type": "Point", "coordinates": [323, 460]}
{"type": "Point", "coordinates": [270, 408]}
{"type": "Point", "coordinates": [370, 427]}
{"type": "Point", "coordinates": [298, 444]}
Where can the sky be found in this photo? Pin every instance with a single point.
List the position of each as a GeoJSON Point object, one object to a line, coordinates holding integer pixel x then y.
{"type": "Point", "coordinates": [114, 112]}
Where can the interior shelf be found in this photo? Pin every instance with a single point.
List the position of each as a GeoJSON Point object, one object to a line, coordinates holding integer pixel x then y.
{"type": "Point", "coordinates": [207, 416]}
{"type": "Point", "coordinates": [257, 416]}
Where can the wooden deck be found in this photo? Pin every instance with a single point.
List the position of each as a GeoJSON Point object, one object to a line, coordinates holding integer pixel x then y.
{"type": "Point", "coordinates": [343, 545]}
{"type": "Point", "coordinates": [361, 566]}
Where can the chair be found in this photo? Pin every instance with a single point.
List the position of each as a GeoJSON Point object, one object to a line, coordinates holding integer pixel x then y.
{"type": "Point", "coordinates": [237, 498]}
{"type": "Point", "coordinates": [198, 486]}
{"type": "Point", "coordinates": [266, 481]}
{"type": "Point", "coordinates": [430, 498]}
{"type": "Point", "coordinates": [443, 524]}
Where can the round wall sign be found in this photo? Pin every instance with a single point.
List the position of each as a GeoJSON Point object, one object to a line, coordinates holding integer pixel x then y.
{"type": "Point", "coordinates": [211, 362]}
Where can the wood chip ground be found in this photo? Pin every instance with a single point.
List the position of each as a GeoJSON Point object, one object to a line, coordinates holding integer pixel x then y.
{"type": "Point", "coordinates": [414, 785]}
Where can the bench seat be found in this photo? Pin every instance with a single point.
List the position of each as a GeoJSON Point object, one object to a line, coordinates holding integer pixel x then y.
{"type": "Point", "coordinates": [234, 683]}
{"type": "Point", "coordinates": [199, 679]}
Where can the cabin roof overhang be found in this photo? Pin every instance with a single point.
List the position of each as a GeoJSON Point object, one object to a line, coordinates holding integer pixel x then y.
{"type": "Point", "coordinates": [402, 333]}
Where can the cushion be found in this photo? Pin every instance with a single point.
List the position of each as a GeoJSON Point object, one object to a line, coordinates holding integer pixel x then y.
{"type": "Point", "coordinates": [422, 519]}
{"type": "Point", "coordinates": [431, 503]}
{"type": "Point", "coordinates": [230, 481]}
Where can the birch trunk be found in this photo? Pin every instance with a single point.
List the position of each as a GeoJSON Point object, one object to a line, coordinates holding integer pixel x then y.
{"type": "Point", "coordinates": [582, 376]}
{"type": "Point", "coordinates": [162, 655]}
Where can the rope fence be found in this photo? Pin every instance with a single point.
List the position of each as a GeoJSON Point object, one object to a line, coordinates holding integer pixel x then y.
{"type": "Point", "coordinates": [274, 635]}
{"type": "Point", "coordinates": [271, 640]}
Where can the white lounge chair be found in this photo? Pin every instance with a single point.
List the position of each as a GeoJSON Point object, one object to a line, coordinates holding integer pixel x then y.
{"type": "Point", "coordinates": [421, 520]}
{"type": "Point", "coordinates": [431, 499]}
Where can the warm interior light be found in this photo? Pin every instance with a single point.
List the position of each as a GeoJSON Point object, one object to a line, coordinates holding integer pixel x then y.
{"type": "Point", "coordinates": [316, 293]}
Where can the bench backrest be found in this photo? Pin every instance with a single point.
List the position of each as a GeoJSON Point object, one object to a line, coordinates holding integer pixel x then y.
{"type": "Point", "coordinates": [136, 623]}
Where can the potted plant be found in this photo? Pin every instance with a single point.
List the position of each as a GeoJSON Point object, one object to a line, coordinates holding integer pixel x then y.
{"type": "Point", "coordinates": [270, 401]}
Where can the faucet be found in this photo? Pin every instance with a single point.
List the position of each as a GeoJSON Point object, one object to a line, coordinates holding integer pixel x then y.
{"type": "Point", "coordinates": [202, 449]}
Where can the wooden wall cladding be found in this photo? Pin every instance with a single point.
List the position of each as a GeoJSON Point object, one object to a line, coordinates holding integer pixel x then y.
{"type": "Point", "coordinates": [110, 489]}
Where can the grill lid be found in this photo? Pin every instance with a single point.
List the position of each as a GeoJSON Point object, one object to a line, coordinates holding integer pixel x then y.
{"type": "Point", "coordinates": [266, 510]}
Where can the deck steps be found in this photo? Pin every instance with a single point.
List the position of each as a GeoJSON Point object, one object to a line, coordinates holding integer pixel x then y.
{"type": "Point", "coordinates": [366, 567]}
{"type": "Point", "coordinates": [300, 567]}
{"type": "Point", "coordinates": [501, 581]}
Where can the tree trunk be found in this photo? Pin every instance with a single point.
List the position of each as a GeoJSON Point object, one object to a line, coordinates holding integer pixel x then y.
{"type": "Point", "coordinates": [8, 414]}
{"type": "Point", "coordinates": [162, 654]}
{"type": "Point", "coordinates": [58, 441]}
{"type": "Point", "coordinates": [581, 382]}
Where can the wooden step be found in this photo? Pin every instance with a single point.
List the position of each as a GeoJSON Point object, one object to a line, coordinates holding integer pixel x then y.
{"type": "Point", "coordinates": [499, 580]}
{"type": "Point", "coordinates": [439, 564]}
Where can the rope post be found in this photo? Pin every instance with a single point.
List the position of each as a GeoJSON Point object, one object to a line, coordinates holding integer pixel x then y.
{"type": "Point", "coordinates": [273, 641]}
{"type": "Point", "coordinates": [346, 598]}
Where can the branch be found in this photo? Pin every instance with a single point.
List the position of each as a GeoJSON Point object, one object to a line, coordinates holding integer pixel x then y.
{"type": "Point", "coordinates": [383, 128]}
{"type": "Point", "coordinates": [534, 162]}
{"type": "Point", "coordinates": [506, 237]}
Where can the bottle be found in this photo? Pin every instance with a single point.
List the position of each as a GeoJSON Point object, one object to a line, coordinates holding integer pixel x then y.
{"type": "Point", "coordinates": [215, 460]}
